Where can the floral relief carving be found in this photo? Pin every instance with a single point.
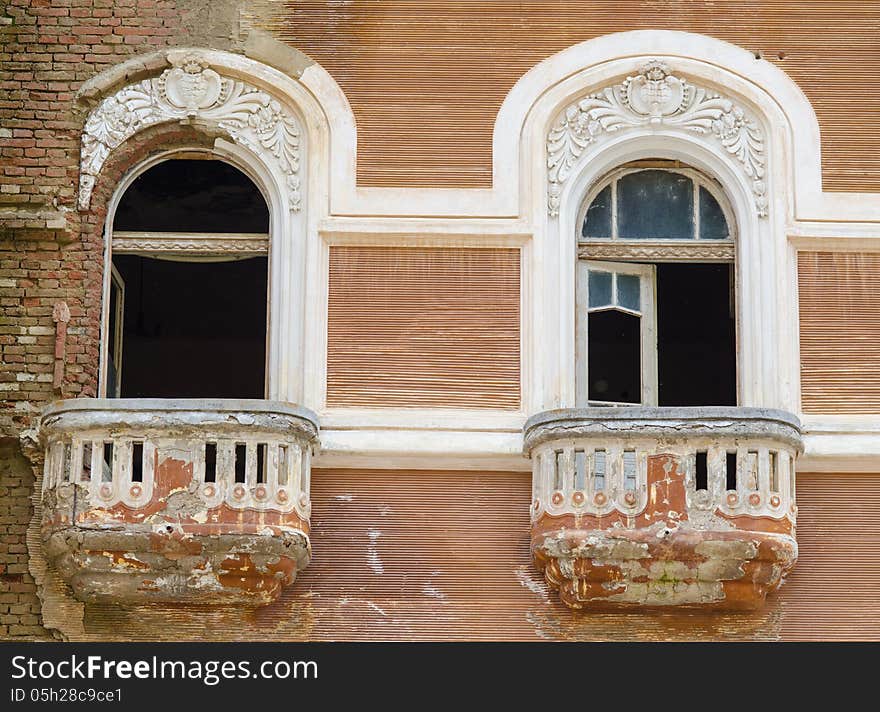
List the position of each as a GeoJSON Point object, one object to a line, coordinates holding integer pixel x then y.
{"type": "Point", "coordinates": [192, 90]}
{"type": "Point", "coordinates": [655, 97]}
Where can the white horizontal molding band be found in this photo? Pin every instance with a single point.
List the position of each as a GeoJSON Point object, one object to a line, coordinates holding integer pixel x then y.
{"type": "Point", "coordinates": [422, 419]}
{"type": "Point", "coordinates": [840, 450]}
{"type": "Point", "coordinates": [421, 450]}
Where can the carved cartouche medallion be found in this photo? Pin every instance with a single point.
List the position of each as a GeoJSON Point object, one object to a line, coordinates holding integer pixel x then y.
{"type": "Point", "coordinates": [655, 97]}
{"type": "Point", "coordinates": [191, 89]}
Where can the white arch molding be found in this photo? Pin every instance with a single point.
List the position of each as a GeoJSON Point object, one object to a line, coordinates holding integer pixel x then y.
{"type": "Point", "coordinates": [766, 288]}
{"type": "Point", "coordinates": [272, 128]}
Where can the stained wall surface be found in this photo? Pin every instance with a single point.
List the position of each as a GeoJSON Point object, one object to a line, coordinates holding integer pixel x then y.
{"type": "Point", "coordinates": [404, 555]}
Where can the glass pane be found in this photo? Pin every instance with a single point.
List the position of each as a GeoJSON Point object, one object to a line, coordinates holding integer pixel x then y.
{"type": "Point", "coordinates": [600, 288]}
{"type": "Point", "coordinates": [655, 205]}
{"type": "Point", "coordinates": [628, 291]}
{"type": "Point", "coordinates": [713, 226]}
{"type": "Point", "coordinates": [597, 222]}
{"type": "Point", "coordinates": [614, 357]}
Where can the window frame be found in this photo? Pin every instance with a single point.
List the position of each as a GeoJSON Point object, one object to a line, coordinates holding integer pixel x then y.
{"type": "Point", "coordinates": [616, 254]}
{"type": "Point", "coordinates": [182, 246]}
{"type": "Point", "coordinates": [659, 249]}
{"type": "Point", "coordinates": [647, 275]}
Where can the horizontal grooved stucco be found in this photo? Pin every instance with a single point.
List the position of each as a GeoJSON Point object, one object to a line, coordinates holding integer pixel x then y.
{"type": "Point", "coordinates": [426, 78]}
{"type": "Point", "coordinates": [423, 327]}
{"type": "Point", "coordinates": [840, 331]}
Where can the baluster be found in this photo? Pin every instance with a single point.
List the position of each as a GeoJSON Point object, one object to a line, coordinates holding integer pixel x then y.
{"type": "Point", "coordinates": [296, 464]}
{"type": "Point", "coordinates": [764, 474]}
{"type": "Point", "coordinates": [271, 465]}
{"type": "Point", "coordinates": [717, 464]}
{"type": "Point", "coordinates": [76, 460]}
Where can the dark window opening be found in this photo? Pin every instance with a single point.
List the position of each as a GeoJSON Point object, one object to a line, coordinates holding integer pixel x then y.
{"type": "Point", "coordinates": [696, 335]}
{"type": "Point", "coordinates": [261, 463]}
{"type": "Point", "coordinates": [192, 196]}
{"type": "Point", "coordinates": [731, 471]}
{"type": "Point", "coordinates": [107, 466]}
{"type": "Point", "coordinates": [701, 476]}
{"type": "Point", "coordinates": [210, 462]}
{"type": "Point", "coordinates": [614, 357]}
{"type": "Point", "coordinates": [193, 329]}
{"type": "Point", "coordinates": [137, 462]}
{"type": "Point", "coordinates": [240, 462]}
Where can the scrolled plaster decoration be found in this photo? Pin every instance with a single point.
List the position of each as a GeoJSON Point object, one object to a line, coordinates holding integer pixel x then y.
{"type": "Point", "coordinates": [192, 90]}
{"type": "Point", "coordinates": [190, 244]}
{"type": "Point", "coordinates": [655, 97]}
{"type": "Point", "coordinates": [697, 250]}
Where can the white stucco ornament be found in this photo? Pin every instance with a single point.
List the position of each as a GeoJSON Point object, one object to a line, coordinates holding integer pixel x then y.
{"type": "Point", "coordinates": [655, 97]}
{"type": "Point", "coordinates": [192, 90]}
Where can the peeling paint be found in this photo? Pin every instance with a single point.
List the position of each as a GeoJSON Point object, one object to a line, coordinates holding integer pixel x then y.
{"type": "Point", "coordinates": [372, 553]}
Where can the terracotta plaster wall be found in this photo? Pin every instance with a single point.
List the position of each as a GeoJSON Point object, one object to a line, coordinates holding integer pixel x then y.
{"type": "Point", "coordinates": [426, 77]}
{"type": "Point", "coordinates": [445, 556]}
{"type": "Point", "coordinates": [839, 296]}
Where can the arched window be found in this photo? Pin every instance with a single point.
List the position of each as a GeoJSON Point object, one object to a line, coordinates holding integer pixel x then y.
{"type": "Point", "coordinates": [656, 321]}
{"type": "Point", "coordinates": [188, 311]}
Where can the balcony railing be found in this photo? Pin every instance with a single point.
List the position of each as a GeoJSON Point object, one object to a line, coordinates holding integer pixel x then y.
{"type": "Point", "coordinates": [637, 506]}
{"type": "Point", "coordinates": [177, 499]}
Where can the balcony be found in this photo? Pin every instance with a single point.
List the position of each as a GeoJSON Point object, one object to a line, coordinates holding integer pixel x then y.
{"type": "Point", "coordinates": [177, 500]}
{"type": "Point", "coordinates": [636, 507]}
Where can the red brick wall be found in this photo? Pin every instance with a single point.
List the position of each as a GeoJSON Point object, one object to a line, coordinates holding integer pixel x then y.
{"type": "Point", "coordinates": [19, 605]}
{"type": "Point", "coordinates": [49, 252]}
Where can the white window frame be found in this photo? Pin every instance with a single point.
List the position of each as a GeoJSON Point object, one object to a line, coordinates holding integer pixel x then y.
{"type": "Point", "coordinates": [647, 314]}
{"type": "Point", "coordinates": [658, 250]}
{"type": "Point", "coordinates": [181, 246]}
{"type": "Point", "coordinates": [114, 342]}
{"type": "Point", "coordinates": [592, 252]}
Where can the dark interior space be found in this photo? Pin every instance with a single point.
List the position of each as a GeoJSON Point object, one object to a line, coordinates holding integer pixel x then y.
{"type": "Point", "coordinates": [192, 196]}
{"type": "Point", "coordinates": [614, 357]}
{"type": "Point", "coordinates": [696, 335]}
{"type": "Point", "coordinates": [193, 329]}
